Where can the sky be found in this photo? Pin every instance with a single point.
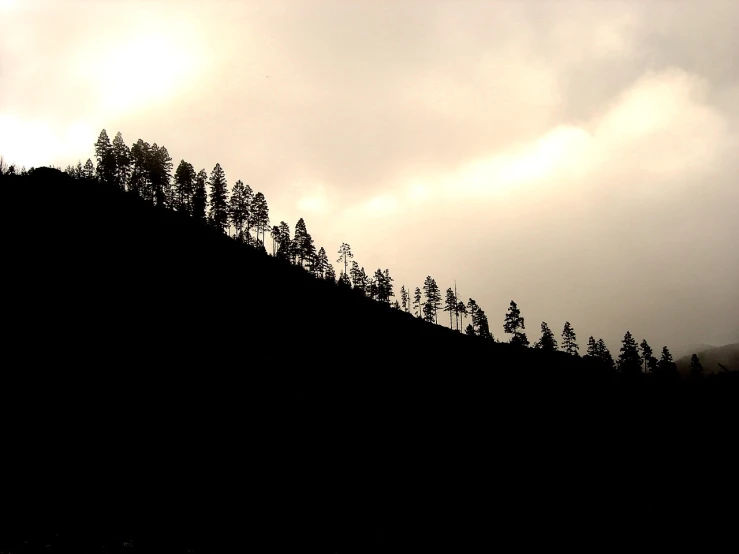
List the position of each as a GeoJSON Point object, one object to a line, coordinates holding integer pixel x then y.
{"type": "Point", "coordinates": [578, 157]}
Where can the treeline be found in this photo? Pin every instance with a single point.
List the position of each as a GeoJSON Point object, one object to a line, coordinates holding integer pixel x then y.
{"type": "Point", "coordinates": [146, 170]}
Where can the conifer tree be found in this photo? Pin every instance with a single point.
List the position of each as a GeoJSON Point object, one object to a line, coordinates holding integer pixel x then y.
{"type": "Point", "coordinates": [218, 213]}
{"type": "Point", "coordinates": [472, 309]}
{"type": "Point", "coordinates": [417, 304]}
{"type": "Point", "coordinates": [121, 161]}
{"type": "Point", "coordinates": [450, 305]}
{"type": "Point", "coordinates": [344, 281]}
{"type": "Point", "coordinates": [358, 277]}
{"type": "Point", "coordinates": [629, 361]}
{"type": "Point", "coordinates": [160, 175]}
{"type": "Point", "coordinates": [592, 347]}
{"type": "Point", "coordinates": [345, 254]}
{"type": "Point", "coordinates": [105, 169]}
{"type": "Point", "coordinates": [696, 369]}
{"type": "Point", "coordinates": [238, 210]}
{"type": "Point", "coordinates": [88, 170]}
{"type": "Point", "coordinates": [404, 304]}
{"type": "Point", "coordinates": [433, 299]}
{"type": "Point", "coordinates": [480, 322]}
{"type": "Point", "coordinates": [321, 265]}
{"type": "Point", "coordinates": [666, 366]}
{"type": "Point", "coordinates": [568, 340]}
{"type": "Point", "coordinates": [547, 342]}
{"type": "Point", "coordinates": [386, 287]}
{"type": "Point", "coordinates": [139, 179]}
{"type": "Point", "coordinates": [260, 214]}
{"type": "Point", "coordinates": [300, 242]}
{"type": "Point", "coordinates": [604, 354]}
{"type": "Point", "coordinates": [284, 243]}
{"type": "Point", "coordinates": [184, 187]}
{"type": "Point", "coordinates": [330, 274]}
{"type": "Point", "coordinates": [469, 330]}
{"type": "Point", "coordinates": [513, 321]}
{"type": "Point", "coordinates": [200, 196]}
{"type": "Point", "coordinates": [461, 313]}
{"type": "Point", "coordinates": [650, 362]}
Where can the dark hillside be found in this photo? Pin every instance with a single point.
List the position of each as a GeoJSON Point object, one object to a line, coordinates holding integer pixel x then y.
{"type": "Point", "coordinates": [166, 383]}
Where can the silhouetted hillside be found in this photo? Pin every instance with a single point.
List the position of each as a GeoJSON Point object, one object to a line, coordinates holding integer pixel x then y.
{"type": "Point", "coordinates": [726, 355]}
{"type": "Point", "coordinates": [168, 387]}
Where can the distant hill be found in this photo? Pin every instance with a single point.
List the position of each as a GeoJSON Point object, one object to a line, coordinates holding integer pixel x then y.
{"type": "Point", "coordinates": [689, 349]}
{"type": "Point", "coordinates": [710, 358]}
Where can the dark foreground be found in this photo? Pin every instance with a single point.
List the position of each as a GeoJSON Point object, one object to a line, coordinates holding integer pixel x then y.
{"type": "Point", "coordinates": [167, 390]}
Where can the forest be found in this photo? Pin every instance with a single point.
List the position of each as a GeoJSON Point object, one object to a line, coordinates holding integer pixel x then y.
{"type": "Point", "coordinates": [145, 170]}
{"type": "Point", "coordinates": [177, 381]}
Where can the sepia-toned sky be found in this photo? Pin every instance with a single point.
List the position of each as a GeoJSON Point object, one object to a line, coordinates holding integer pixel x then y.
{"type": "Point", "coordinates": [578, 157]}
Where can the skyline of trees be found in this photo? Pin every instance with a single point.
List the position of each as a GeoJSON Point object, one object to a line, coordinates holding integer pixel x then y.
{"type": "Point", "coordinates": [146, 170]}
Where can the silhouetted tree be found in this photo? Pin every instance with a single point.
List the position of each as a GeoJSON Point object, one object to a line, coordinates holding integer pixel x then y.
{"type": "Point", "coordinates": [89, 169]}
{"type": "Point", "coordinates": [696, 369]}
{"type": "Point", "coordinates": [200, 196]}
{"type": "Point", "coordinates": [344, 281]}
{"type": "Point", "coordinates": [417, 304]}
{"type": "Point", "coordinates": [238, 209]}
{"type": "Point", "coordinates": [568, 339]}
{"type": "Point", "coordinates": [321, 264]}
{"type": "Point", "coordinates": [330, 274]}
{"type": "Point", "coordinates": [650, 362]}
{"type": "Point", "coordinates": [404, 300]}
{"type": "Point", "coordinates": [592, 347]}
{"type": "Point", "coordinates": [105, 169]}
{"type": "Point", "coordinates": [629, 361]}
{"type": "Point", "coordinates": [386, 287]}
{"type": "Point", "coordinates": [469, 330]}
{"type": "Point", "coordinates": [604, 354]}
{"type": "Point", "coordinates": [461, 313]}
{"type": "Point", "coordinates": [218, 213]}
{"type": "Point", "coordinates": [358, 277]}
{"type": "Point", "coordinates": [260, 213]}
{"type": "Point", "coordinates": [513, 321]}
{"type": "Point", "coordinates": [160, 174]}
{"type": "Point", "coordinates": [480, 322]}
{"type": "Point", "coordinates": [547, 341]}
{"type": "Point", "coordinates": [450, 305]}
{"type": "Point", "coordinates": [472, 309]}
{"type": "Point", "coordinates": [300, 242]}
{"type": "Point", "coordinates": [139, 179]}
{"type": "Point", "coordinates": [345, 254]}
{"type": "Point", "coordinates": [284, 243]}
{"type": "Point", "coordinates": [433, 299]}
{"type": "Point", "coordinates": [122, 161]}
{"type": "Point", "coordinates": [184, 187]}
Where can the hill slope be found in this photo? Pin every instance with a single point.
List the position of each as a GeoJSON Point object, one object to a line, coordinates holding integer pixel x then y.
{"type": "Point", "coordinates": [166, 383]}
{"type": "Point", "coordinates": [726, 355]}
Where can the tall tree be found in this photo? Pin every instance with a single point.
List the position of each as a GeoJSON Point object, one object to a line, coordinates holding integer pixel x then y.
{"type": "Point", "coordinates": [480, 321]}
{"type": "Point", "coordinates": [238, 209]}
{"type": "Point", "coordinates": [513, 321]}
{"type": "Point", "coordinates": [604, 354]}
{"type": "Point", "coordinates": [160, 175]}
{"type": "Point", "coordinates": [105, 158]}
{"type": "Point", "coordinates": [284, 248]}
{"type": "Point", "coordinates": [547, 342]}
{"type": "Point", "coordinates": [260, 212]}
{"type": "Point", "coordinates": [461, 313]}
{"type": "Point", "coordinates": [433, 299]}
{"type": "Point", "coordinates": [300, 242]}
{"type": "Point", "coordinates": [666, 366]}
{"type": "Point", "coordinates": [330, 274]}
{"type": "Point", "coordinates": [385, 287]}
{"type": "Point", "coordinates": [568, 339]}
{"type": "Point", "coordinates": [417, 304]}
{"type": "Point", "coordinates": [629, 361]}
{"type": "Point", "coordinates": [344, 281]}
{"type": "Point", "coordinates": [650, 362]}
{"type": "Point", "coordinates": [122, 161]}
{"type": "Point", "coordinates": [218, 213]}
{"type": "Point", "coordinates": [321, 265]}
{"type": "Point", "coordinates": [184, 187]}
{"type": "Point", "coordinates": [139, 179]}
{"type": "Point", "coordinates": [469, 330]}
{"type": "Point", "coordinates": [345, 254]}
{"type": "Point", "coordinates": [200, 196]}
{"type": "Point", "coordinates": [696, 369]}
{"type": "Point", "coordinates": [404, 300]}
{"type": "Point", "coordinates": [450, 305]}
{"type": "Point", "coordinates": [358, 277]}
{"type": "Point", "coordinates": [592, 347]}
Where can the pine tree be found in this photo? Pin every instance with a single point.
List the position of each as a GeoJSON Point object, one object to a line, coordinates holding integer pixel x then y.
{"type": "Point", "coordinates": [547, 342]}
{"type": "Point", "coordinates": [330, 274]}
{"type": "Point", "coordinates": [604, 354]}
{"type": "Point", "coordinates": [696, 369]}
{"type": "Point", "coordinates": [105, 169]}
{"type": "Point", "coordinates": [433, 299]}
{"type": "Point", "coordinates": [321, 265]}
{"type": "Point", "coordinates": [568, 340]}
{"type": "Point", "coordinates": [139, 180]}
{"type": "Point", "coordinates": [358, 277]}
{"type": "Point", "coordinates": [345, 254]}
{"type": "Point", "coordinates": [260, 213]}
{"type": "Point", "coordinates": [122, 161]}
{"type": "Point", "coordinates": [283, 242]}
{"type": "Point", "coordinates": [344, 281]}
{"type": "Point", "coordinates": [461, 312]}
{"type": "Point", "coordinates": [200, 196]}
{"type": "Point", "coordinates": [592, 347]}
{"type": "Point", "coordinates": [483, 328]}
{"type": "Point", "coordinates": [89, 170]}
{"type": "Point", "coordinates": [629, 361]}
{"type": "Point", "coordinates": [666, 366]}
{"type": "Point", "coordinates": [404, 304]}
{"type": "Point", "coordinates": [450, 305]}
{"type": "Point", "coordinates": [218, 213]}
{"type": "Point", "coordinates": [417, 304]}
{"type": "Point", "coordinates": [647, 357]}
{"type": "Point", "coordinates": [469, 330]}
{"type": "Point", "coordinates": [238, 209]}
{"type": "Point", "coordinates": [472, 309]}
{"type": "Point", "coordinates": [386, 287]}
{"type": "Point", "coordinates": [184, 187]}
{"type": "Point", "coordinates": [513, 321]}
{"type": "Point", "coordinates": [160, 175]}
{"type": "Point", "coordinates": [300, 242]}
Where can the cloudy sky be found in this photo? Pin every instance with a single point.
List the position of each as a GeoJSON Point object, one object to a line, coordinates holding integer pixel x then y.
{"type": "Point", "coordinates": [581, 158]}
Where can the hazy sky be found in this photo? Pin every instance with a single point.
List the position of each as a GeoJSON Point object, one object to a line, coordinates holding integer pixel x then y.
{"type": "Point", "coordinates": [581, 158]}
